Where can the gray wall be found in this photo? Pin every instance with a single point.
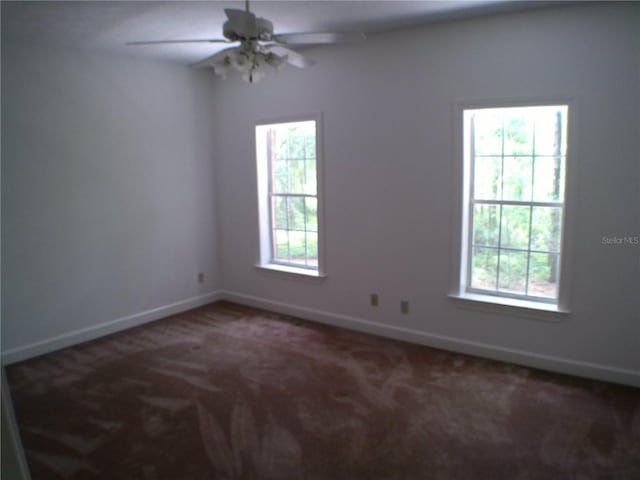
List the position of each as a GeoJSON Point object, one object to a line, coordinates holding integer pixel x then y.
{"type": "Point", "coordinates": [110, 205]}
{"type": "Point", "coordinates": [108, 210]}
{"type": "Point", "coordinates": [388, 141]}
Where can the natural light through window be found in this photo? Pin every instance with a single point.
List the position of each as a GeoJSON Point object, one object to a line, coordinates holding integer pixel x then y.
{"type": "Point", "coordinates": [287, 155]}
{"type": "Point", "coordinates": [514, 164]}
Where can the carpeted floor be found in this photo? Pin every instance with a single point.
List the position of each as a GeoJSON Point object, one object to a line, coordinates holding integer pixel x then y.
{"type": "Point", "coordinates": [229, 392]}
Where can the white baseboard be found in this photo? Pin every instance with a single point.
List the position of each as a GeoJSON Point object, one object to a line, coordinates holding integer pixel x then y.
{"type": "Point", "coordinates": [519, 357]}
{"type": "Point", "coordinates": [91, 333]}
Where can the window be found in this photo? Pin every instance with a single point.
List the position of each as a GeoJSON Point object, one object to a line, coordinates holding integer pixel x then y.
{"type": "Point", "coordinates": [288, 166]}
{"type": "Point", "coordinates": [514, 202]}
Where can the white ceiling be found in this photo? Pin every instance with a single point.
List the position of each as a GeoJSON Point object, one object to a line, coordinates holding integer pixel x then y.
{"type": "Point", "coordinates": [108, 25]}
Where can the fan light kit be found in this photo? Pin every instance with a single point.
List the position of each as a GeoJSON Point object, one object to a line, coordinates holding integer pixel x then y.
{"type": "Point", "coordinates": [258, 46]}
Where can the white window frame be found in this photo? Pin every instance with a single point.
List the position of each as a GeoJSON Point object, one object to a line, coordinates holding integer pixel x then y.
{"type": "Point", "coordinates": [265, 258]}
{"type": "Point", "coordinates": [458, 290]}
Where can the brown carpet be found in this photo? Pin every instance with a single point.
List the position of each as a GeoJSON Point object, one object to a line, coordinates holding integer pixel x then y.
{"type": "Point", "coordinates": [229, 392]}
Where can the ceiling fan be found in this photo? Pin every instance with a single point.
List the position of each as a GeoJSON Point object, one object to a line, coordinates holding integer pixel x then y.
{"type": "Point", "coordinates": [255, 44]}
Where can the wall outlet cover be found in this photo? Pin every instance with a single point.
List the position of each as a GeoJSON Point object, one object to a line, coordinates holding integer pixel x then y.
{"type": "Point", "coordinates": [374, 299]}
{"type": "Point", "coordinates": [404, 306]}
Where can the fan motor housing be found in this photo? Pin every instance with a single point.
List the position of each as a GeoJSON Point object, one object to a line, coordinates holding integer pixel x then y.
{"type": "Point", "coordinates": [263, 31]}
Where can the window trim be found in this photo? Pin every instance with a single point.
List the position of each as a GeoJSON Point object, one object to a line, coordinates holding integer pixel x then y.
{"type": "Point", "coordinates": [461, 216]}
{"type": "Point", "coordinates": [265, 235]}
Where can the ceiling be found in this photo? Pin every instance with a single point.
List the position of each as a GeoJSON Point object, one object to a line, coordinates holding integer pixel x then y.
{"type": "Point", "coordinates": [107, 25]}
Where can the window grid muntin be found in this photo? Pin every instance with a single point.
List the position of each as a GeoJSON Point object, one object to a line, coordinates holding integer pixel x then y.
{"type": "Point", "coordinates": [561, 156]}
{"type": "Point", "coordinates": [273, 196]}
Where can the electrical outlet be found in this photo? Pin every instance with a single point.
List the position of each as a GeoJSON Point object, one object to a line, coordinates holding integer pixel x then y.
{"type": "Point", "coordinates": [374, 299]}
{"type": "Point", "coordinates": [404, 306]}
{"type": "Point", "coordinates": [200, 277]}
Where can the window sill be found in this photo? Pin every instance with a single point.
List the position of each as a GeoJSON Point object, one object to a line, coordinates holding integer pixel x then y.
{"type": "Point", "coordinates": [287, 270]}
{"type": "Point", "coordinates": [510, 306]}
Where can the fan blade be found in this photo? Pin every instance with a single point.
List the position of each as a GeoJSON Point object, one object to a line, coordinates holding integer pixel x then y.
{"type": "Point", "coordinates": [209, 61]}
{"type": "Point", "coordinates": [318, 38]}
{"type": "Point", "coordinates": [241, 22]}
{"type": "Point", "coordinates": [294, 58]}
{"type": "Point", "coordinates": [160, 42]}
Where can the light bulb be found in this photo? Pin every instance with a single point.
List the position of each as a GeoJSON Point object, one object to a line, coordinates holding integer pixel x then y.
{"type": "Point", "coordinates": [275, 61]}
{"type": "Point", "coordinates": [242, 61]}
{"type": "Point", "coordinates": [223, 67]}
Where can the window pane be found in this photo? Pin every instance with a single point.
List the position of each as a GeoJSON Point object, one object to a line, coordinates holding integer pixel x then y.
{"type": "Point", "coordinates": [550, 130]}
{"type": "Point", "coordinates": [310, 185]}
{"type": "Point", "coordinates": [289, 181]}
{"type": "Point", "coordinates": [543, 275]}
{"type": "Point", "coordinates": [296, 213]}
{"type": "Point", "coordinates": [487, 181]}
{"type": "Point", "coordinates": [296, 176]}
{"type": "Point", "coordinates": [312, 214]}
{"type": "Point", "coordinates": [307, 128]}
{"type": "Point", "coordinates": [487, 127]}
{"type": "Point", "coordinates": [515, 227]}
{"type": "Point", "coordinates": [548, 184]}
{"type": "Point", "coordinates": [516, 181]}
{"type": "Point", "coordinates": [280, 176]}
{"type": "Point", "coordinates": [280, 215]}
{"type": "Point", "coordinates": [297, 246]}
{"type": "Point", "coordinates": [280, 145]}
{"type": "Point", "coordinates": [484, 264]}
{"type": "Point", "coordinates": [518, 132]}
{"type": "Point", "coordinates": [545, 229]}
{"type": "Point", "coordinates": [312, 248]}
{"type": "Point", "coordinates": [296, 144]}
{"type": "Point", "coordinates": [516, 156]}
{"type": "Point", "coordinates": [310, 146]}
{"type": "Point", "coordinates": [281, 242]}
{"type": "Point", "coordinates": [486, 224]}
{"type": "Point", "coordinates": [513, 271]}
{"type": "Point", "coordinates": [293, 140]}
